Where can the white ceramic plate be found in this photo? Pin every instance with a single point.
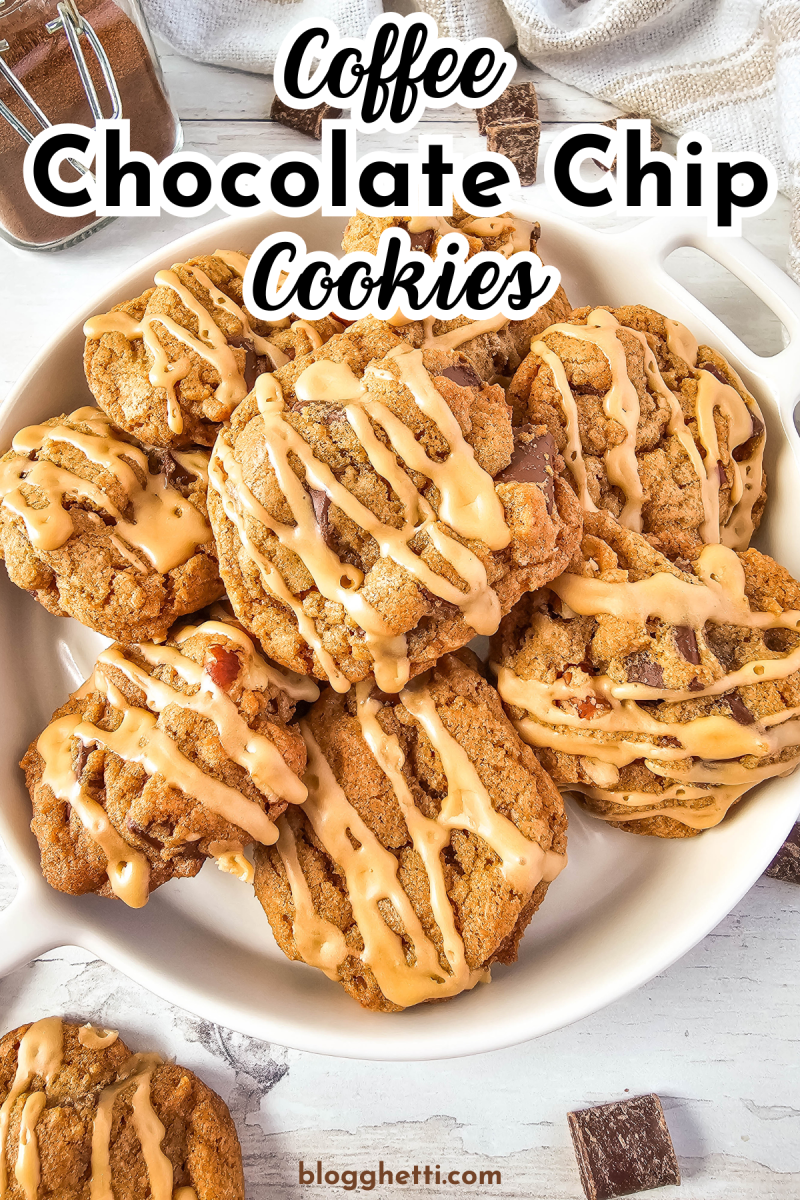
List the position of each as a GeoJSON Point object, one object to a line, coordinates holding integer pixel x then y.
{"type": "Point", "coordinates": [625, 908]}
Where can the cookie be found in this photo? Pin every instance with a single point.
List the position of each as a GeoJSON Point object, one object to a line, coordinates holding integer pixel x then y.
{"type": "Point", "coordinates": [653, 428]}
{"type": "Point", "coordinates": [372, 509]}
{"type": "Point", "coordinates": [98, 528]}
{"type": "Point", "coordinates": [168, 755]}
{"type": "Point", "coordinates": [428, 840]}
{"type": "Point", "coordinates": [496, 346]}
{"type": "Point", "coordinates": [171, 365]}
{"type": "Point", "coordinates": [659, 693]}
{"type": "Point", "coordinates": [81, 1115]}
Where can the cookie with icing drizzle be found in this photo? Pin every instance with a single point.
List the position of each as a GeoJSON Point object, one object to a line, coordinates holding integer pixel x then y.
{"type": "Point", "coordinates": [428, 840]}
{"type": "Point", "coordinates": [659, 694]}
{"type": "Point", "coordinates": [169, 754]}
{"type": "Point", "coordinates": [99, 528]}
{"type": "Point", "coordinates": [496, 346]}
{"type": "Point", "coordinates": [171, 365]}
{"type": "Point", "coordinates": [80, 1116]}
{"type": "Point", "coordinates": [372, 511]}
{"type": "Point", "coordinates": [653, 428]}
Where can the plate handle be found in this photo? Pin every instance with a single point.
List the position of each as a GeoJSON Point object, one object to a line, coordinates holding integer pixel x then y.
{"type": "Point", "coordinates": [653, 241]}
{"type": "Point", "coordinates": [26, 931]}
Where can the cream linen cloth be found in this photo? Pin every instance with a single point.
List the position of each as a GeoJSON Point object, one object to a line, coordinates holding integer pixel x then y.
{"type": "Point", "coordinates": [727, 68]}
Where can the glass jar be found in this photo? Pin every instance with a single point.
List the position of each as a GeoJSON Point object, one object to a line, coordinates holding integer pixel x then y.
{"type": "Point", "coordinates": [73, 61]}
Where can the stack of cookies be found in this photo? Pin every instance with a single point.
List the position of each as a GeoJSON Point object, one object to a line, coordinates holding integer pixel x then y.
{"type": "Point", "coordinates": [291, 533]}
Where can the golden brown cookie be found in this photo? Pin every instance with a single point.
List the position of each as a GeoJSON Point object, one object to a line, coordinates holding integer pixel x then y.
{"type": "Point", "coordinates": [373, 510]}
{"type": "Point", "coordinates": [169, 754]}
{"type": "Point", "coordinates": [99, 528]}
{"type": "Point", "coordinates": [81, 1117]}
{"type": "Point", "coordinates": [497, 345]}
{"type": "Point", "coordinates": [427, 843]}
{"type": "Point", "coordinates": [653, 428]}
{"type": "Point", "coordinates": [171, 365]}
{"type": "Point", "coordinates": [660, 693]}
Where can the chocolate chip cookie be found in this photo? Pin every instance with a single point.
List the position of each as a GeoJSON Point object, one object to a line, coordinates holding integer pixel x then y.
{"type": "Point", "coordinates": [99, 528]}
{"type": "Point", "coordinates": [169, 754]}
{"type": "Point", "coordinates": [427, 842]}
{"type": "Point", "coordinates": [81, 1115]}
{"type": "Point", "coordinates": [171, 365]}
{"type": "Point", "coordinates": [661, 693]}
{"type": "Point", "coordinates": [653, 428]}
{"type": "Point", "coordinates": [373, 508]}
{"type": "Point", "coordinates": [496, 346]}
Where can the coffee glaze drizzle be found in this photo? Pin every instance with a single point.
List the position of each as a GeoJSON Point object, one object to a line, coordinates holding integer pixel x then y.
{"type": "Point", "coordinates": [371, 871]}
{"type": "Point", "coordinates": [136, 1073]}
{"type": "Point", "coordinates": [468, 504]}
{"type": "Point", "coordinates": [139, 739]}
{"type": "Point", "coordinates": [621, 404]}
{"type": "Point", "coordinates": [623, 731]}
{"type": "Point", "coordinates": [164, 527]}
{"type": "Point", "coordinates": [40, 1055]}
{"type": "Point", "coordinates": [210, 342]}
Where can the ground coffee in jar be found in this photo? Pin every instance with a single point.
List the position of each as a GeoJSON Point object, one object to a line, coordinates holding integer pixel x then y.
{"type": "Point", "coordinates": [42, 62]}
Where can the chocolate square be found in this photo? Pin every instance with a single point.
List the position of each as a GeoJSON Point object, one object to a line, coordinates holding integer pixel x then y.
{"type": "Point", "coordinates": [304, 120]}
{"type": "Point", "coordinates": [786, 863]}
{"type": "Point", "coordinates": [520, 144]}
{"type": "Point", "coordinates": [655, 138]}
{"type": "Point", "coordinates": [517, 105]}
{"type": "Point", "coordinates": [623, 1148]}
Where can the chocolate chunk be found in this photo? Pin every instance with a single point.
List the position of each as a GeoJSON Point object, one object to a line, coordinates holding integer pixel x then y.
{"type": "Point", "coordinates": [517, 105]}
{"type": "Point", "coordinates": [254, 364]}
{"type": "Point", "coordinates": [421, 239]}
{"type": "Point", "coordinates": [695, 686]}
{"type": "Point", "coordinates": [686, 641]}
{"type": "Point", "coordinates": [390, 698]}
{"type": "Point", "coordinates": [641, 668]}
{"type": "Point", "coordinates": [775, 640]}
{"type": "Point", "coordinates": [739, 710]}
{"type": "Point", "coordinates": [786, 863]}
{"type": "Point", "coordinates": [222, 665]}
{"type": "Point", "coordinates": [304, 120]}
{"type": "Point", "coordinates": [723, 478]}
{"type": "Point", "coordinates": [715, 371]}
{"type": "Point", "coordinates": [655, 137]}
{"type": "Point", "coordinates": [532, 462]}
{"type": "Point", "coordinates": [161, 462]}
{"type": "Point", "coordinates": [462, 373]}
{"type": "Point", "coordinates": [520, 144]}
{"type": "Point", "coordinates": [747, 449]}
{"type": "Point", "coordinates": [623, 1148]}
{"type": "Point", "coordinates": [321, 503]}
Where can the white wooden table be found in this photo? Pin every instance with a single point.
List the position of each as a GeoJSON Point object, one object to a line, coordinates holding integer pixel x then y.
{"type": "Point", "coordinates": [716, 1036]}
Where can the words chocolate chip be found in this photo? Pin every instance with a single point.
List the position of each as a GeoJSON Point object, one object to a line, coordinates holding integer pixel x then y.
{"type": "Point", "coordinates": [686, 641]}
{"type": "Point", "coordinates": [641, 668]}
{"type": "Point", "coordinates": [462, 373]}
{"type": "Point", "coordinates": [623, 1148]}
{"type": "Point", "coordinates": [739, 710]}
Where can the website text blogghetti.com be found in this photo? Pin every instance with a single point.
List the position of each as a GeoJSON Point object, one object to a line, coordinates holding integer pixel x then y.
{"type": "Point", "coordinates": [321, 1173]}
